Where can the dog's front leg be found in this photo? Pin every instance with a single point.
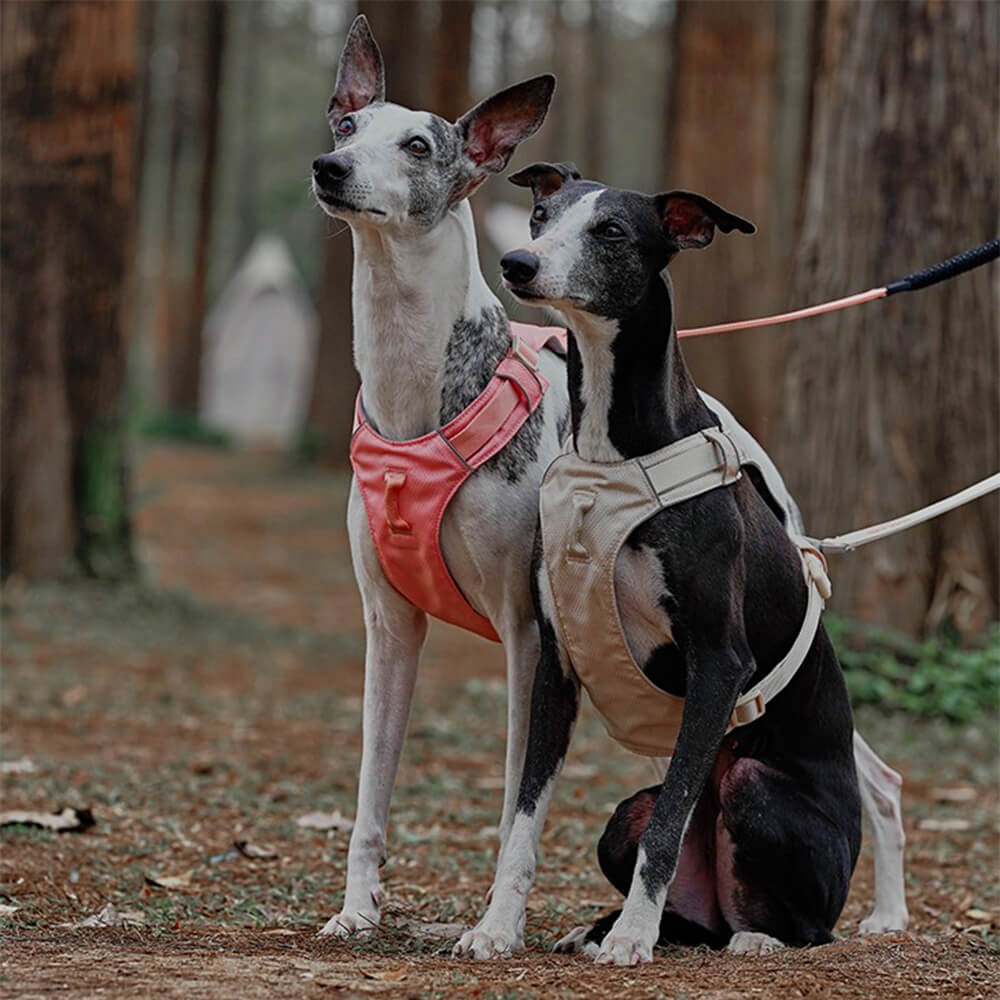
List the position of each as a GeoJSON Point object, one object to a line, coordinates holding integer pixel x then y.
{"type": "Point", "coordinates": [719, 663]}
{"type": "Point", "coordinates": [555, 701]}
{"type": "Point", "coordinates": [394, 633]}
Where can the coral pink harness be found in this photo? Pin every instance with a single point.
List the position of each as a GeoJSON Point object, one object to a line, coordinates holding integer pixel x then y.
{"type": "Point", "coordinates": [407, 485]}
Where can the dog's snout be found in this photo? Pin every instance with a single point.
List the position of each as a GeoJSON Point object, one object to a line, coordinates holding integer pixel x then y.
{"type": "Point", "coordinates": [519, 266]}
{"type": "Point", "coordinates": [331, 167]}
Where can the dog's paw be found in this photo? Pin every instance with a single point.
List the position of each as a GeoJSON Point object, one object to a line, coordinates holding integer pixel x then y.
{"type": "Point", "coordinates": [624, 948]}
{"type": "Point", "coordinates": [752, 943]}
{"type": "Point", "coordinates": [351, 923]}
{"type": "Point", "coordinates": [483, 943]}
{"type": "Point", "coordinates": [884, 923]}
{"type": "Point", "coordinates": [576, 943]}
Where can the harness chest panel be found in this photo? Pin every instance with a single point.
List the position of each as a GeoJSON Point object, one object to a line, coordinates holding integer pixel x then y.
{"type": "Point", "coordinates": [588, 511]}
{"type": "Point", "coordinates": [406, 486]}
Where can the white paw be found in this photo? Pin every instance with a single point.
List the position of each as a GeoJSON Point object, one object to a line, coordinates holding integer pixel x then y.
{"type": "Point", "coordinates": [352, 923]}
{"type": "Point", "coordinates": [752, 943]}
{"type": "Point", "coordinates": [574, 943]}
{"type": "Point", "coordinates": [884, 923]}
{"type": "Point", "coordinates": [625, 948]}
{"type": "Point", "coordinates": [484, 942]}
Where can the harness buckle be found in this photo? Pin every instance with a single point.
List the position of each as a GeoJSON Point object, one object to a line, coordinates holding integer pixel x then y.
{"type": "Point", "coordinates": [729, 453]}
{"type": "Point", "coordinates": [748, 711]}
{"type": "Point", "coordinates": [524, 353]}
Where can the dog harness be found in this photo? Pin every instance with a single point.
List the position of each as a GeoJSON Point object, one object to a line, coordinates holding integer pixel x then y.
{"type": "Point", "coordinates": [406, 486]}
{"type": "Point", "coordinates": [588, 510]}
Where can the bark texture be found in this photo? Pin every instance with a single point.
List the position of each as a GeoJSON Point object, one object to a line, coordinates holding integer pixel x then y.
{"type": "Point", "coordinates": [893, 405]}
{"type": "Point", "coordinates": [453, 51]}
{"type": "Point", "coordinates": [67, 196]}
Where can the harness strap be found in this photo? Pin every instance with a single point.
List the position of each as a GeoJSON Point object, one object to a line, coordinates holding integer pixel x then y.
{"type": "Point", "coordinates": [693, 465]}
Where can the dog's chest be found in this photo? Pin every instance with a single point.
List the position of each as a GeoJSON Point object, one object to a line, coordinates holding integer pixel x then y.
{"type": "Point", "coordinates": [640, 591]}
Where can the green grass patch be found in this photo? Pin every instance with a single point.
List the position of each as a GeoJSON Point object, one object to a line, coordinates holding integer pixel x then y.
{"type": "Point", "coordinates": [183, 427]}
{"type": "Point", "coordinates": [936, 677]}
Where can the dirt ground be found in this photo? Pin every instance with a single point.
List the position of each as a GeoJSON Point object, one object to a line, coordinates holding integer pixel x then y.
{"type": "Point", "coordinates": [219, 701]}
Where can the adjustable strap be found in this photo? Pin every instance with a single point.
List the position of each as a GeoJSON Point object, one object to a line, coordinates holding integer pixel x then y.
{"type": "Point", "coordinates": [753, 703]}
{"type": "Point", "coordinates": [693, 465]}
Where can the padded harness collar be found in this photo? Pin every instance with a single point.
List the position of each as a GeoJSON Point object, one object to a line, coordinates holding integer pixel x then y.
{"type": "Point", "coordinates": [588, 510]}
{"type": "Point", "coordinates": [406, 486]}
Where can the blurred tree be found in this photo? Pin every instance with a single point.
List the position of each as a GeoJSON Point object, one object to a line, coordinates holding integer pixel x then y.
{"type": "Point", "coordinates": [723, 117]}
{"type": "Point", "coordinates": [897, 404]}
{"type": "Point", "coordinates": [67, 194]}
{"type": "Point", "coordinates": [453, 48]}
{"type": "Point", "coordinates": [185, 336]}
{"type": "Point", "coordinates": [597, 81]}
{"type": "Point", "coordinates": [399, 29]}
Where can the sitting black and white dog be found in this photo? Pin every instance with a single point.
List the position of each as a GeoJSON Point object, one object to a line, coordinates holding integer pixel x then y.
{"type": "Point", "coordinates": [754, 834]}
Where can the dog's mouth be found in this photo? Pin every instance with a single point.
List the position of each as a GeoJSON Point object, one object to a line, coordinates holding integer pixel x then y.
{"type": "Point", "coordinates": [522, 292]}
{"type": "Point", "coordinates": [345, 206]}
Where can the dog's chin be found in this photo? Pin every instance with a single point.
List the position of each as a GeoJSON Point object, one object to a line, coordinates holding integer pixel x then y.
{"type": "Point", "coordinates": [525, 295]}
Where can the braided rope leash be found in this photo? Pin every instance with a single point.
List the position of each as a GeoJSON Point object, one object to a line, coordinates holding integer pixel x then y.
{"type": "Point", "coordinates": [950, 268]}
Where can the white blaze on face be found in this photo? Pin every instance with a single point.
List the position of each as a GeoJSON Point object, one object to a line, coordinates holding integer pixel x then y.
{"type": "Point", "coordinates": [560, 248]}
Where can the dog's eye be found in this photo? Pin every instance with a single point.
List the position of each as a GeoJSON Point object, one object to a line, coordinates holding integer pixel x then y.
{"type": "Point", "coordinates": [345, 126]}
{"type": "Point", "coordinates": [418, 147]}
{"type": "Point", "coordinates": [538, 213]}
{"type": "Point", "coordinates": [610, 231]}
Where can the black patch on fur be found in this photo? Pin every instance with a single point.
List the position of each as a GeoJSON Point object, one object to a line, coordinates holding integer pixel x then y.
{"type": "Point", "coordinates": [475, 348]}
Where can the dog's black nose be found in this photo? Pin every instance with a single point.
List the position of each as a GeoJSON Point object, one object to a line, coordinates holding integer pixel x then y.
{"type": "Point", "coordinates": [519, 266]}
{"type": "Point", "coordinates": [331, 167]}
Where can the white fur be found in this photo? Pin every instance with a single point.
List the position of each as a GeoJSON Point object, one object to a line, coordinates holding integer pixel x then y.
{"type": "Point", "coordinates": [633, 936]}
{"type": "Point", "coordinates": [752, 943]}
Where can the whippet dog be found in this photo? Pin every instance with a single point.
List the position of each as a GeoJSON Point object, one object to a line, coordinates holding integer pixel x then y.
{"type": "Point", "coordinates": [753, 835]}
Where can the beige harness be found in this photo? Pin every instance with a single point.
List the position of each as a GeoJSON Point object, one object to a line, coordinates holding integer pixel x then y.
{"type": "Point", "coordinates": [588, 510]}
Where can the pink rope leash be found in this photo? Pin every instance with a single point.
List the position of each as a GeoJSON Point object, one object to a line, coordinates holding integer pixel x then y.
{"type": "Point", "coordinates": [949, 268]}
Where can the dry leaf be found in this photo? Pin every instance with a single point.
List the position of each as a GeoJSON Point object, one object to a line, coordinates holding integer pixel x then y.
{"type": "Point", "coordinates": [73, 696]}
{"type": "Point", "coordinates": [8, 911]}
{"type": "Point", "coordinates": [388, 975]}
{"type": "Point", "coordinates": [182, 881]}
{"type": "Point", "coordinates": [22, 766]}
{"type": "Point", "coordinates": [961, 793]}
{"type": "Point", "coordinates": [280, 932]}
{"type": "Point", "coordinates": [434, 929]}
{"type": "Point", "coordinates": [67, 821]}
{"type": "Point", "coordinates": [583, 771]}
{"type": "Point", "coordinates": [983, 915]}
{"type": "Point", "coordinates": [947, 825]}
{"type": "Point", "coordinates": [257, 852]}
{"type": "Point", "coordinates": [110, 916]}
{"type": "Point", "coordinates": [325, 821]}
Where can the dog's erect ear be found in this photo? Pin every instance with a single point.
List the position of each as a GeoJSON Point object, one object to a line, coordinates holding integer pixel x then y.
{"type": "Point", "coordinates": [361, 73]}
{"type": "Point", "coordinates": [690, 220]}
{"type": "Point", "coordinates": [492, 130]}
{"type": "Point", "coordinates": [545, 178]}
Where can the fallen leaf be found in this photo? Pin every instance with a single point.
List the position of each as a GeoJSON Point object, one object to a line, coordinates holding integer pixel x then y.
{"type": "Point", "coordinates": [579, 771]}
{"type": "Point", "coordinates": [257, 852]}
{"type": "Point", "coordinates": [182, 881]}
{"type": "Point", "coordinates": [22, 766]}
{"type": "Point", "coordinates": [325, 821]}
{"type": "Point", "coordinates": [961, 793]}
{"type": "Point", "coordinates": [983, 915]}
{"type": "Point", "coordinates": [387, 975]}
{"type": "Point", "coordinates": [74, 695]}
{"type": "Point", "coordinates": [433, 929]}
{"type": "Point", "coordinates": [67, 821]}
{"type": "Point", "coordinates": [8, 911]}
{"type": "Point", "coordinates": [947, 825]}
{"type": "Point", "coordinates": [280, 931]}
{"type": "Point", "coordinates": [110, 916]}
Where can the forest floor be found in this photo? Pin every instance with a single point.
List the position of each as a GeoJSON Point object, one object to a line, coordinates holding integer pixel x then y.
{"type": "Point", "coordinates": [219, 701]}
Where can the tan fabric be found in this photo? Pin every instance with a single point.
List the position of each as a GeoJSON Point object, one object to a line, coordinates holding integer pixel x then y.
{"type": "Point", "coordinates": [588, 510]}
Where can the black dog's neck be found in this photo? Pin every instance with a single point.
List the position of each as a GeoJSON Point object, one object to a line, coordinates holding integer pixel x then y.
{"type": "Point", "coordinates": [653, 400]}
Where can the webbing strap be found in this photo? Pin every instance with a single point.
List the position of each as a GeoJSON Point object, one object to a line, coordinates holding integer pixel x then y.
{"type": "Point", "coordinates": [693, 465]}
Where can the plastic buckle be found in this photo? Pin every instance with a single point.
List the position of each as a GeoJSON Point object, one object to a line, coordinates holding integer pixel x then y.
{"type": "Point", "coordinates": [524, 353]}
{"type": "Point", "coordinates": [749, 710]}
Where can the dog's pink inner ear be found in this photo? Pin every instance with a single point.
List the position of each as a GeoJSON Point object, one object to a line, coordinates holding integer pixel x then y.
{"type": "Point", "coordinates": [686, 223]}
{"type": "Point", "coordinates": [361, 76]}
{"type": "Point", "coordinates": [490, 141]}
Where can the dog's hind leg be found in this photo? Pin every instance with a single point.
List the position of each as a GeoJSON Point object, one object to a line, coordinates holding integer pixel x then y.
{"type": "Point", "coordinates": [880, 795]}
{"type": "Point", "coordinates": [395, 632]}
{"type": "Point", "coordinates": [783, 863]}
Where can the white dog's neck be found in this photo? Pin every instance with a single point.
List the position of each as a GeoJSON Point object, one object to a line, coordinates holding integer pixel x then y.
{"type": "Point", "coordinates": [411, 294]}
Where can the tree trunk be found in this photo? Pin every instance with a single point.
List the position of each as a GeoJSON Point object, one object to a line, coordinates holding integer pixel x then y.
{"type": "Point", "coordinates": [67, 195]}
{"type": "Point", "coordinates": [398, 29]}
{"type": "Point", "coordinates": [896, 404]}
{"type": "Point", "coordinates": [596, 83]}
{"type": "Point", "coordinates": [453, 52]}
{"type": "Point", "coordinates": [722, 123]}
{"type": "Point", "coordinates": [184, 370]}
